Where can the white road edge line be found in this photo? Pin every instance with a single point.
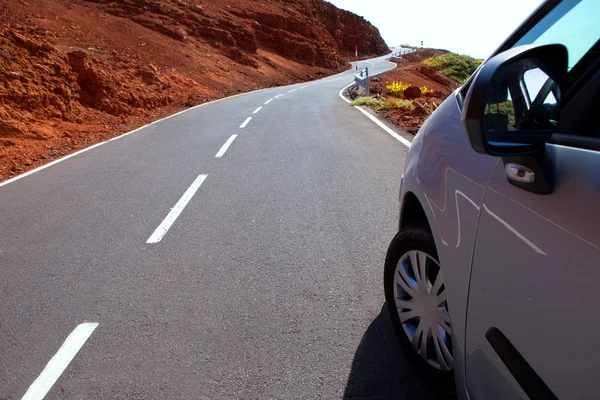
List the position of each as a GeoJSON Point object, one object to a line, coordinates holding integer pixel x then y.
{"type": "Point", "coordinates": [374, 119]}
{"type": "Point", "coordinates": [61, 360]}
{"type": "Point", "coordinates": [268, 101]}
{"type": "Point", "coordinates": [33, 171]}
{"type": "Point", "coordinates": [293, 90]}
{"type": "Point", "coordinates": [225, 146]}
{"type": "Point", "coordinates": [257, 110]}
{"type": "Point", "coordinates": [385, 128]}
{"type": "Point", "coordinates": [243, 125]}
{"type": "Point", "coordinates": [42, 167]}
{"type": "Point", "coordinates": [278, 96]}
{"type": "Point", "coordinates": [342, 91]}
{"type": "Point", "coordinates": [164, 226]}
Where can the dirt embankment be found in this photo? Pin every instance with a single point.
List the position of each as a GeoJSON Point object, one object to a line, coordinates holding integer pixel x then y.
{"type": "Point", "coordinates": [75, 72]}
{"type": "Point", "coordinates": [412, 72]}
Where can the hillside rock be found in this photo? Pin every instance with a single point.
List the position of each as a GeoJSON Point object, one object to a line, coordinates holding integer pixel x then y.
{"type": "Point", "coordinates": [74, 72]}
{"type": "Point", "coordinates": [412, 92]}
{"type": "Point", "coordinates": [434, 75]}
{"type": "Point", "coordinates": [312, 32]}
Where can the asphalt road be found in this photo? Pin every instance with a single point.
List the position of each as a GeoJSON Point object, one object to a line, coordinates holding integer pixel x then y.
{"type": "Point", "coordinates": [266, 284]}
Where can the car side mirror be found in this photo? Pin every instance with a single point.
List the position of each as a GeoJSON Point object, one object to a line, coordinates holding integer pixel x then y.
{"type": "Point", "coordinates": [513, 104]}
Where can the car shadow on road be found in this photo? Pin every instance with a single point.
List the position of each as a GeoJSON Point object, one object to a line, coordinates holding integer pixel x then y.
{"type": "Point", "coordinates": [381, 370]}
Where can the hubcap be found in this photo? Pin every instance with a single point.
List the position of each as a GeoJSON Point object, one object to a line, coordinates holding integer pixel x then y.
{"type": "Point", "coordinates": [420, 297]}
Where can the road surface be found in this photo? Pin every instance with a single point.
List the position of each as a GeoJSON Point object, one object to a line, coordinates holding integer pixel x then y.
{"type": "Point", "coordinates": [182, 262]}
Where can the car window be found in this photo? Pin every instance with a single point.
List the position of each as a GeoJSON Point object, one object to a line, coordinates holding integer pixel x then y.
{"type": "Point", "coordinates": [533, 80]}
{"type": "Point", "coordinates": [573, 23]}
{"type": "Point", "coordinates": [522, 100]}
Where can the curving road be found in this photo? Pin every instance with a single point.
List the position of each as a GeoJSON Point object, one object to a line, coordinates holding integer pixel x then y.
{"type": "Point", "coordinates": [182, 262]}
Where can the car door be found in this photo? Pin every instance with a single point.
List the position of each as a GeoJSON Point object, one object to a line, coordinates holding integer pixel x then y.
{"type": "Point", "coordinates": [532, 319]}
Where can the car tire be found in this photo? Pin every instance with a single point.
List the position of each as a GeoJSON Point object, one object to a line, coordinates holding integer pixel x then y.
{"type": "Point", "coordinates": [414, 238]}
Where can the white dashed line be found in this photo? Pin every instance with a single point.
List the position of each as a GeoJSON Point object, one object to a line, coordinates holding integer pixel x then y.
{"type": "Point", "coordinates": [43, 167]}
{"type": "Point", "coordinates": [278, 96]}
{"type": "Point", "coordinates": [164, 226]}
{"type": "Point", "coordinates": [243, 125]}
{"type": "Point", "coordinates": [257, 110]}
{"type": "Point", "coordinates": [225, 146]}
{"type": "Point", "coordinates": [293, 90]}
{"type": "Point", "coordinates": [268, 101]}
{"type": "Point", "coordinates": [57, 364]}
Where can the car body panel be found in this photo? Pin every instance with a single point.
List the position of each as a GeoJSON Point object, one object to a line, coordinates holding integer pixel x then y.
{"type": "Point", "coordinates": [449, 179]}
{"type": "Point", "coordinates": [522, 263]}
{"type": "Point", "coordinates": [535, 271]}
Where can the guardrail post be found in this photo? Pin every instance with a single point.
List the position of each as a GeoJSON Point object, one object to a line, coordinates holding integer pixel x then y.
{"type": "Point", "coordinates": [362, 80]}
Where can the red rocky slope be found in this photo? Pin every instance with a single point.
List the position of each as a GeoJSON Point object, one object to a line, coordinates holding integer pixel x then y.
{"type": "Point", "coordinates": [74, 72]}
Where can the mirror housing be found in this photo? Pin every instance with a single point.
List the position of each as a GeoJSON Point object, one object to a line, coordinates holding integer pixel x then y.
{"type": "Point", "coordinates": [500, 82]}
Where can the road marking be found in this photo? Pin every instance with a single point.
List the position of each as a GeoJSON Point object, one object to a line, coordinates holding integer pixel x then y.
{"type": "Point", "coordinates": [342, 91]}
{"type": "Point", "coordinates": [385, 128]}
{"type": "Point", "coordinates": [42, 167]}
{"type": "Point", "coordinates": [278, 96]}
{"type": "Point", "coordinates": [302, 87]}
{"type": "Point", "coordinates": [33, 171]}
{"type": "Point", "coordinates": [164, 226]}
{"type": "Point", "coordinates": [293, 90]}
{"type": "Point", "coordinates": [243, 125]}
{"type": "Point", "coordinates": [257, 110]}
{"type": "Point", "coordinates": [225, 146]}
{"type": "Point", "coordinates": [268, 101]}
{"type": "Point", "coordinates": [374, 119]}
{"type": "Point", "coordinates": [57, 364]}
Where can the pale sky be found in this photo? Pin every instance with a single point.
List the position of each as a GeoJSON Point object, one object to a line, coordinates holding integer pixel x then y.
{"type": "Point", "coordinates": [473, 27]}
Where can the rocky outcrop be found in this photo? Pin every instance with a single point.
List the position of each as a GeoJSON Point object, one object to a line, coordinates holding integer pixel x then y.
{"type": "Point", "coordinates": [312, 32]}
{"type": "Point", "coordinates": [75, 72]}
{"type": "Point", "coordinates": [347, 29]}
{"type": "Point", "coordinates": [412, 92]}
{"type": "Point", "coordinates": [434, 75]}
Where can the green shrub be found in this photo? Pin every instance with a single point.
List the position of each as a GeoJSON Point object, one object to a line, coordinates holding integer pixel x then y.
{"type": "Point", "coordinates": [456, 66]}
{"type": "Point", "coordinates": [391, 104]}
{"type": "Point", "coordinates": [366, 101]}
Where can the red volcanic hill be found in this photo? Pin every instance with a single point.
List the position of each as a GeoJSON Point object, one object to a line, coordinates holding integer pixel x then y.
{"type": "Point", "coordinates": [75, 72]}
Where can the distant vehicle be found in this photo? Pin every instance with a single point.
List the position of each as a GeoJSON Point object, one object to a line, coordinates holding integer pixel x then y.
{"type": "Point", "coordinates": [492, 281]}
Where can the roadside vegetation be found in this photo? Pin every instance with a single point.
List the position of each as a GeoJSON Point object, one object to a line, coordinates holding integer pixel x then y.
{"type": "Point", "coordinates": [395, 100]}
{"type": "Point", "coordinates": [397, 88]}
{"type": "Point", "coordinates": [455, 66]}
{"type": "Point", "coordinates": [408, 94]}
{"type": "Point", "coordinates": [366, 101]}
{"type": "Point", "coordinates": [390, 103]}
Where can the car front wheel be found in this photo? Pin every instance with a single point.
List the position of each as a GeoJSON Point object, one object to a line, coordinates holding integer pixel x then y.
{"type": "Point", "coordinates": [416, 299]}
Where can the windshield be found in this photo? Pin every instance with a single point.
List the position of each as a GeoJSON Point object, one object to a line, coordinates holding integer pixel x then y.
{"type": "Point", "coordinates": [573, 23]}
